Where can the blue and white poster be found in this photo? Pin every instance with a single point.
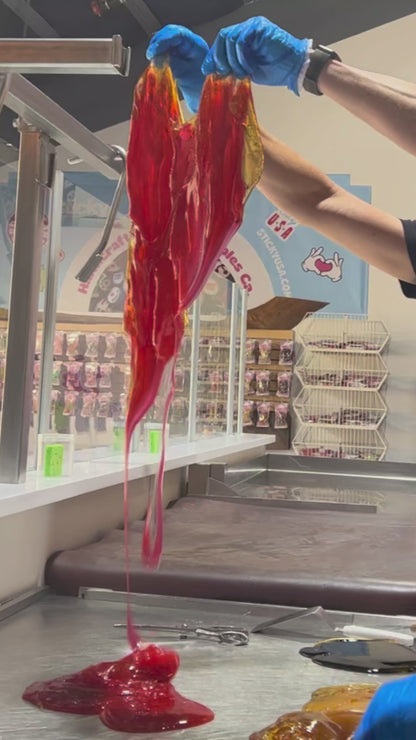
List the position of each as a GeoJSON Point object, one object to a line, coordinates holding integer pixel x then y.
{"type": "Point", "coordinates": [273, 255]}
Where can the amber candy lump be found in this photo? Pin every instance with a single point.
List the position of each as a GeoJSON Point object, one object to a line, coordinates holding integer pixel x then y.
{"type": "Point", "coordinates": [332, 713]}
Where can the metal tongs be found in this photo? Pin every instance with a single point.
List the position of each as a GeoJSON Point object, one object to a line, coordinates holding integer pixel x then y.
{"type": "Point", "coordinates": [223, 635]}
{"type": "Point", "coordinates": [96, 258]}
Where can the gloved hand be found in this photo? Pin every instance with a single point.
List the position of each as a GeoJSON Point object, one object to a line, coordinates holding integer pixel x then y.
{"type": "Point", "coordinates": [260, 50]}
{"type": "Point", "coordinates": [186, 51]}
{"type": "Point", "coordinates": [391, 715]}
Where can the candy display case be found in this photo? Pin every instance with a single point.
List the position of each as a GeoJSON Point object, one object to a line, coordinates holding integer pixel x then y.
{"type": "Point", "coordinates": [269, 358]}
{"type": "Point", "coordinates": [90, 376]}
{"type": "Point", "coordinates": [208, 374]}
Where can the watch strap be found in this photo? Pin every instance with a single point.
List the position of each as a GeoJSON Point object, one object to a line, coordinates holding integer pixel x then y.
{"type": "Point", "coordinates": [319, 58]}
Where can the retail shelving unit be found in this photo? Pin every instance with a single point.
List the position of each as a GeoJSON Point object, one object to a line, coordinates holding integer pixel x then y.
{"type": "Point", "coordinates": [268, 379]}
{"type": "Point", "coordinates": [340, 407]}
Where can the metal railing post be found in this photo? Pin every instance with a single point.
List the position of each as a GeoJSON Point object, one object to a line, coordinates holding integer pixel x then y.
{"type": "Point", "coordinates": [49, 308]}
{"type": "Point", "coordinates": [242, 367]}
{"type": "Point", "coordinates": [36, 164]}
{"type": "Point", "coordinates": [231, 359]}
{"type": "Point", "coordinates": [193, 386]}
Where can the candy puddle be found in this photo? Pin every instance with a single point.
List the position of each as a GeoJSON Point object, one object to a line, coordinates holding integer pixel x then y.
{"type": "Point", "coordinates": [134, 694]}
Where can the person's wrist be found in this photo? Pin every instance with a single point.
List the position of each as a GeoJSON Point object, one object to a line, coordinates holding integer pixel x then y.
{"type": "Point", "coordinates": [320, 58]}
{"type": "Point", "coordinates": [328, 74]}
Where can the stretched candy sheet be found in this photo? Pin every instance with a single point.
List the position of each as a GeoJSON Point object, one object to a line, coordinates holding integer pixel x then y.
{"type": "Point", "coordinates": [187, 184]}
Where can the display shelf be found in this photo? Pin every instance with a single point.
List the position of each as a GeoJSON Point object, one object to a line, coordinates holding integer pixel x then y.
{"type": "Point", "coordinates": [340, 408]}
{"type": "Point", "coordinates": [281, 368]}
{"type": "Point", "coordinates": [260, 399]}
{"type": "Point", "coordinates": [348, 444]}
{"type": "Point", "coordinates": [269, 364]}
{"type": "Point", "coordinates": [107, 469]}
{"type": "Point", "coordinates": [338, 369]}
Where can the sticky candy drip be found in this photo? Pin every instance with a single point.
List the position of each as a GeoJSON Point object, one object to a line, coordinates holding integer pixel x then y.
{"type": "Point", "coordinates": [187, 184]}
{"type": "Point", "coordinates": [134, 694]}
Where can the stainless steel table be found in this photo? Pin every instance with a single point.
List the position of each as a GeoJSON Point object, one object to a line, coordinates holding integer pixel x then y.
{"type": "Point", "coordinates": [247, 687]}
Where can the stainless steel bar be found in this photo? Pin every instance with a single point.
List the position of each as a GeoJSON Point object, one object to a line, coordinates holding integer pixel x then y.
{"type": "Point", "coordinates": [35, 108]}
{"type": "Point", "coordinates": [140, 10]}
{"type": "Point", "coordinates": [34, 180]}
{"type": "Point", "coordinates": [31, 17]}
{"type": "Point", "coordinates": [13, 606]}
{"type": "Point", "coordinates": [242, 364]}
{"type": "Point", "coordinates": [231, 359]}
{"type": "Point", "coordinates": [96, 258]}
{"type": "Point", "coordinates": [49, 310]}
{"type": "Point", "coordinates": [193, 383]}
{"type": "Point", "coordinates": [5, 80]}
{"type": "Point", "coordinates": [65, 56]}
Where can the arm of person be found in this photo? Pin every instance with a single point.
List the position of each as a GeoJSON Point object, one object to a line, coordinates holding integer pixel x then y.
{"type": "Point", "coordinates": [387, 104]}
{"type": "Point", "coordinates": [269, 55]}
{"type": "Point", "coordinates": [306, 193]}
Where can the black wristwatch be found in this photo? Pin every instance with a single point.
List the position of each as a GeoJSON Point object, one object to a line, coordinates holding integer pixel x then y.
{"type": "Point", "coordinates": [319, 58]}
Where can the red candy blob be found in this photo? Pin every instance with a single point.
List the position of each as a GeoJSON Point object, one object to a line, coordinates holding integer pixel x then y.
{"type": "Point", "coordinates": [134, 694]}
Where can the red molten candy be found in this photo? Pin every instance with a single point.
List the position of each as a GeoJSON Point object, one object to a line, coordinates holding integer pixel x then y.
{"type": "Point", "coordinates": [134, 694]}
{"type": "Point", "coordinates": [187, 184]}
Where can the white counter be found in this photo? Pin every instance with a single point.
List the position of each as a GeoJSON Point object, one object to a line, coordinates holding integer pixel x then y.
{"type": "Point", "coordinates": [101, 473]}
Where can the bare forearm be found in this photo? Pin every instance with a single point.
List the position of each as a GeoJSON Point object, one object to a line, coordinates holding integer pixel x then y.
{"type": "Point", "coordinates": [387, 104]}
{"type": "Point", "coordinates": [306, 193]}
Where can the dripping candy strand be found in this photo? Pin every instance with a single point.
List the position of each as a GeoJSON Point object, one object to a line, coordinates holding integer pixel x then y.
{"type": "Point", "coordinates": [152, 542]}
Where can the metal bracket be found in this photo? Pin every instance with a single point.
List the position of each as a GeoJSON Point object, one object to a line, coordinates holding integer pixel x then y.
{"type": "Point", "coordinates": [65, 56]}
{"type": "Point", "coordinates": [37, 109]}
{"type": "Point", "coordinates": [95, 260]}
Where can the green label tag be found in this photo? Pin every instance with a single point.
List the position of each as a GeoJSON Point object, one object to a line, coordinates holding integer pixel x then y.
{"type": "Point", "coordinates": [155, 440]}
{"type": "Point", "coordinates": [119, 436]}
{"type": "Point", "coordinates": [54, 461]}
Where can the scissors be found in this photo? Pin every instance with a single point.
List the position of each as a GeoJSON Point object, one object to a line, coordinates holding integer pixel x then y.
{"type": "Point", "coordinates": [224, 635]}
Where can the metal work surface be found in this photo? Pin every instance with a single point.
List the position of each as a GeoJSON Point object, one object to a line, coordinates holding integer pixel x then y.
{"type": "Point", "coordinates": [247, 687]}
{"type": "Point", "coordinates": [306, 483]}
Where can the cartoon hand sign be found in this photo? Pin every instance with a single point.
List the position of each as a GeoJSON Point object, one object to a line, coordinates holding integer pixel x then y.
{"type": "Point", "coordinates": [335, 273]}
{"type": "Point", "coordinates": [316, 262]}
{"type": "Point", "coordinates": [309, 265]}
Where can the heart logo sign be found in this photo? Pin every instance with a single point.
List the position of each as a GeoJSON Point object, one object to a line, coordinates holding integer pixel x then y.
{"type": "Point", "coordinates": [317, 263]}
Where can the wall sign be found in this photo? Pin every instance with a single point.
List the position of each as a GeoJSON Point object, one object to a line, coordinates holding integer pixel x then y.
{"type": "Point", "coordinates": [272, 254]}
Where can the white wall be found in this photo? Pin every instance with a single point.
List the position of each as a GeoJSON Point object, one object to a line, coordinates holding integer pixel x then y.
{"type": "Point", "coordinates": [27, 539]}
{"type": "Point", "coordinates": [338, 143]}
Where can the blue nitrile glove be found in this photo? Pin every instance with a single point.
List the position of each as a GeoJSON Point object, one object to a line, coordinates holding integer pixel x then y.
{"type": "Point", "coordinates": [186, 52]}
{"type": "Point", "coordinates": [391, 715]}
{"type": "Point", "coordinates": [262, 51]}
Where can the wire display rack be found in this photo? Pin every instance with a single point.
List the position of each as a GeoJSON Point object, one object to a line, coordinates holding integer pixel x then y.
{"type": "Point", "coordinates": [346, 444]}
{"type": "Point", "coordinates": [341, 370]}
{"type": "Point", "coordinates": [332, 333]}
{"type": "Point", "coordinates": [343, 408]}
{"type": "Point", "coordinates": [340, 407]}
